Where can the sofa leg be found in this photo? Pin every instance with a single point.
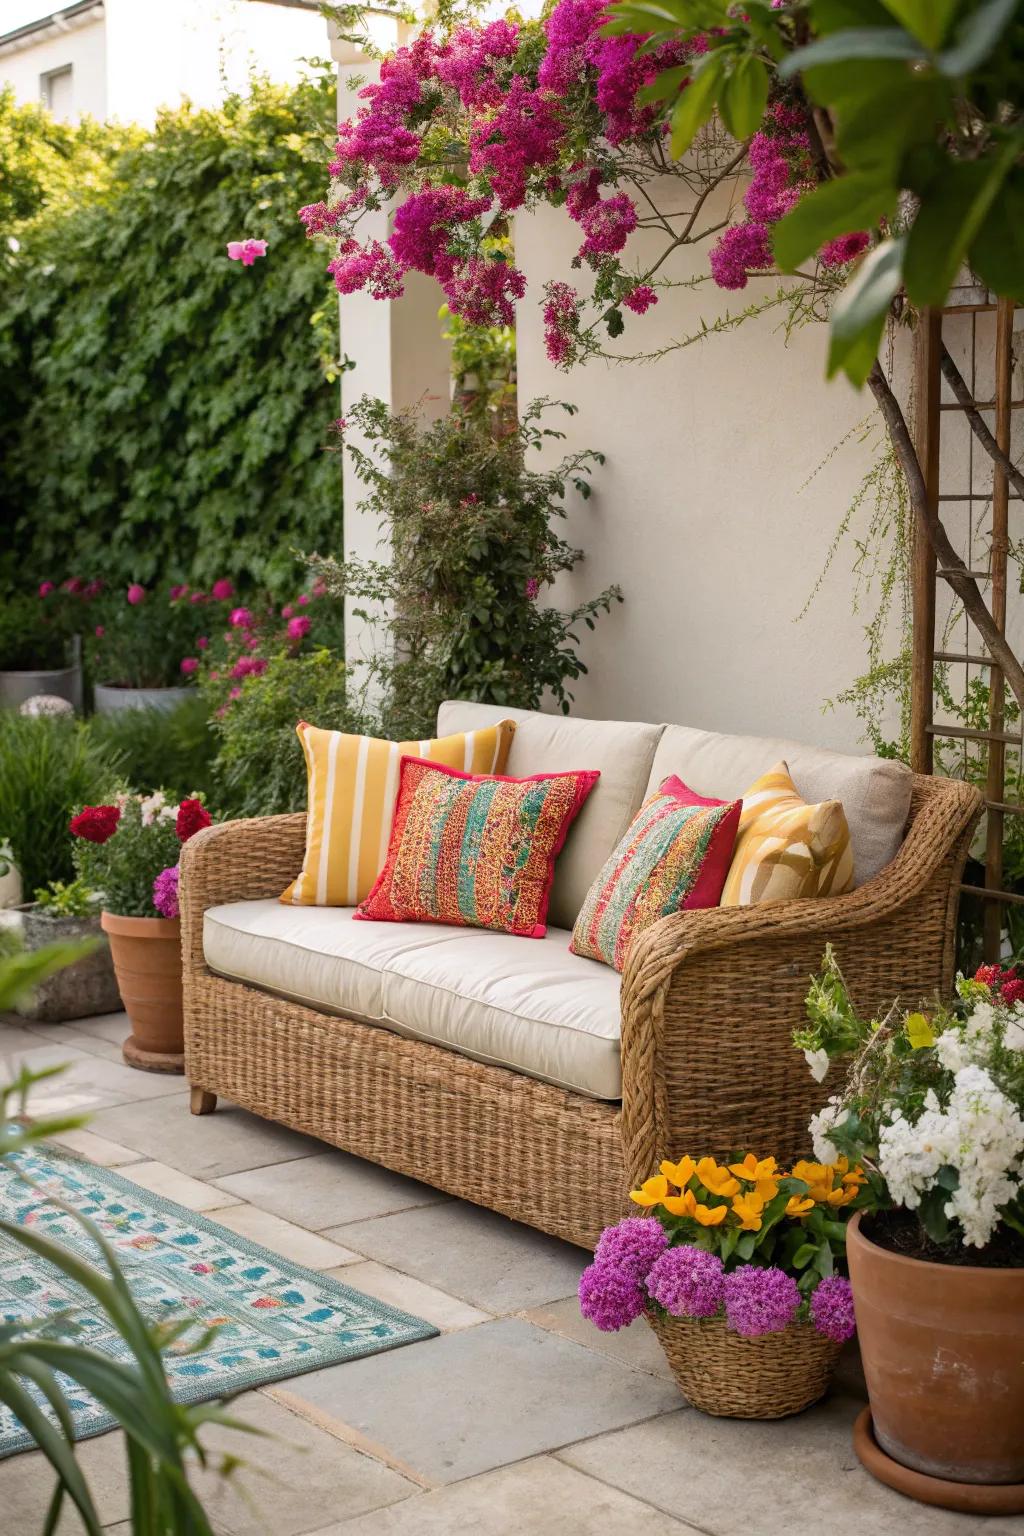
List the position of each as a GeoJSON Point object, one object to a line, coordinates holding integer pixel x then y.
{"type": "Point", "coordinates": [201, 1102]}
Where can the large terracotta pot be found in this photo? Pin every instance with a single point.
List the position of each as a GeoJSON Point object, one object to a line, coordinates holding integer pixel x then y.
{"type": "Point", "coordinates": [943, 1352]}
{"type": "Point", "coordinates": [147, 963]}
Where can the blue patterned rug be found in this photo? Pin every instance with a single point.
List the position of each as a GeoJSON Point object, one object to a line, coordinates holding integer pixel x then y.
{"type": "Point", "coordinates": [274, 1318]}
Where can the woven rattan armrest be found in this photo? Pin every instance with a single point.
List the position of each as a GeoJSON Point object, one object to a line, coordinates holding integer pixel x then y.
{"type": "Point", "coordinates": [236, 861]}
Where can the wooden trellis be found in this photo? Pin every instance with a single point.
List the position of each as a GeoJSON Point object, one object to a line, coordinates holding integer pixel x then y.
{"type": "Point", "coordinates": [983, 506]}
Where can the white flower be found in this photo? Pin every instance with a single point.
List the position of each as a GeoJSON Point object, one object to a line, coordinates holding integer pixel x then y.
{"type": "Point", "coordinates": [821, 1124]}
{"type": "Point", "coordinates": [818, 1063]}
{"type": "Point", "coordinates": [152, 806]}
{"type": "Point", "coordinates": [1014, 1037]}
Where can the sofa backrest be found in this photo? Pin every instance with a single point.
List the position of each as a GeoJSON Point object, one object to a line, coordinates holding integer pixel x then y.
{"type": "Point", "coordinates": [874, 791]}
{"type": "Point", "coordinates": [623, 751]}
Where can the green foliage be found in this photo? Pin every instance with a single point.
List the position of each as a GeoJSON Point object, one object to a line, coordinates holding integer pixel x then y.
{"type": "Point", "coordinates": [67, 899]}
{"type": "Point", "coordinates": [163, 1437]}
{"type": "Point", "coordinates": [143, 644]}
{"type": "Point", "coordinates": [36, 629]}
{"type": "Point", "coordinates": [259, 767]}
{"type": "Point", "coordinates": [48, 768]}
{"type": "Point", "coordinates": [124, 867]}
{"type": "Point", "coordinates": [174, 747]}
{"type": "Point", "coordinates": [162, 409]}
{"type": "Point", "coordinates": [469, 530]}
{"type": "Point", "coordinates": [921, 101]}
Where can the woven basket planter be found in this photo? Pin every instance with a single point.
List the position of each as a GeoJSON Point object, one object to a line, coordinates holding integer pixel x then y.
{"type": "Point", "coordinates": [736, 1378]}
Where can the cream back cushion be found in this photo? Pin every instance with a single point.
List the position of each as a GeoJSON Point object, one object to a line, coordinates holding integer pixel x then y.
{"type": "Point", "coordinates": [622, 751]}
{"type": "Point", "coordinates": [874, 791]}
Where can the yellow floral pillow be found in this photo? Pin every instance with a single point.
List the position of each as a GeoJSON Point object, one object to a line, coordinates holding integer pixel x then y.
{"type": "Point", "coordinates": [352, 784]}
{"type": "Point", "coordinates": [786, 848]}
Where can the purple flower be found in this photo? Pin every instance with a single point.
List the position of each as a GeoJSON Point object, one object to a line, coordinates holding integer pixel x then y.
{"type": "Point", "coordinates": [632, 1246]}
{"type": "Point", "coordinates": [609, 1297]}
{"type": "Point", "coordinates": [688, 1281]}
{"type": "Point", "coordinates": [165, 892]}
{"type": "Point", "coordinates": [759, 1301]}
{"type": "Point", "coordinates": [832, 1309]}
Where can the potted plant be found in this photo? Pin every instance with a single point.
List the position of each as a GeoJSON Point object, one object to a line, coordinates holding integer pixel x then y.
{"type": "Point", "coordinates": [933, 1108]}
{"type": "Point", "coordinates": [40, 647]}
{"type": "Point", "coordinates": [145, 651]}
{"type": "Point", "coordinates": [737, 1270]}
{"type": "Point", "coordinates": [129, 852]}
{"type": "Point", "coordinates": [65, 912]}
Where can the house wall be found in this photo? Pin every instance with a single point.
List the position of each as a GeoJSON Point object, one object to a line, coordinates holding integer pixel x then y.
{"type": "Point", "coordinates": [83, 47]}
{"type": "Point", "coordinates": [702, 512]}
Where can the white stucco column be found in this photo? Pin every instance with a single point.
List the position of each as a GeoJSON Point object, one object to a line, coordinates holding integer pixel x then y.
{"type": "Point", "coordinates": [396, 345]}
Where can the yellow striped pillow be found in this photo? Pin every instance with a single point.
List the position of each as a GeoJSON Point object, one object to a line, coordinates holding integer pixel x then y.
{"type": "Point", "coordinates": [352, 783]}
{"type": "Point", "coordinates": [787, 848]}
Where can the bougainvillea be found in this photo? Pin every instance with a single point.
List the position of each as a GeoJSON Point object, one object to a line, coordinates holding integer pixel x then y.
{"type": "Point", "coordinates": [471, 122]}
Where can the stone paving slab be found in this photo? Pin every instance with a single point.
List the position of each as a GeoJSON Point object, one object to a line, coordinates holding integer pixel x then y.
{"type": "Point", "coordinates": [543, 1497]}
{"type": "Point", "coordinates": [731, 1477]}
{"type": "Point", "coordinates": [329, 1189]}
{"type": "Point", "coordinates": [207, 1146]}
{"type": "Point", "coordinates": [193, 1194]}
{"type": "Point", "coordinates": [635, 1346]}
{"type": "Point", "coordinates": [483, 1397]}
{"type": "Point", "coordinates": [411, 1295]}
{"type": "Point", "coordinates": [486, 1259]}
{"type": "Point", "coordinates": [292, 1242]}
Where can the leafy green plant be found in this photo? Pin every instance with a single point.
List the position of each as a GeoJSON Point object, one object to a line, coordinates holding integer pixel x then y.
{"type": "Point", "coordinates": [67, 899]}
{"type": "Point", "coordinates": [120, 849]}
{"type": "Point", "coordinates": [162, 408]}
{"type": "Point", "coordinates": [36, 629]}
{"type": "Point", "coordinates": [152, 639]}
{"type": "Point", "coordinates": [174, 747]}
{"type": "Point", "coordinates": [48, 767]}
{"type": "Point", "coordinates": [259, 767]}
{"type": "Point", "coordinates": [469, 531]}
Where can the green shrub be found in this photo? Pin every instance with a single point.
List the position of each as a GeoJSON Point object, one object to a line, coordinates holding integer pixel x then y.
{"type": "Point", "coordinates": [163, 409]}
{"type": "Point", "coordinates": [143, 843]}
{"type": "Point", "coordinates": [259, 769]}
{"type": "Point", "coordinates": [48, 768]}
{"type": "Point", "coordinates": [172, 747]}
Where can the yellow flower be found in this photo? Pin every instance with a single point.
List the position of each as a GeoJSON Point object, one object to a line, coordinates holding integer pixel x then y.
{"type": "Point", "coordinates": [748, 1208]}
{"type": "Point", "coordinates": [679, 1173]}
{"type": "Point", "coordinates": [767, 1189]}
{"type": "Point", "coordinates": [811, 1173]}
{"type": "Point", "coordinates": [855, 1178]}
{"type": "Point", "coordinates": [716, 1179]}
{"type": "Point", "coordinates": [753, 1168]}
{"type": "Point", "coordinates": [798, 1206]}
{"type": "Point", "coordinates": [919, 1031]}
{"type": "Point", "coordinates": [681, 1205]}
{"type": "Point", "coordinates": [711, 1215]}
{"type": "Point", "coordinates": [651, 1192]}
{"type": "Point", "coordinates": [841, 1196]}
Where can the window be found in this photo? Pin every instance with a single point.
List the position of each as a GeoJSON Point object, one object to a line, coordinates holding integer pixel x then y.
{"type": "Point", "coordinates": [55, 91]}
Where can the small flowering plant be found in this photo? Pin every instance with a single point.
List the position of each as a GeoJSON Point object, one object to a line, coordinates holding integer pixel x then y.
{"type": "Point", "coordinates": [36, 628]}
{"type": "Point", "coordinates": [154, 639]}
{"type": "Point", "coordinates": [932, 1107]}
{"type": "Point", "coordinates": [744, 1241]}
{"type": "Point", "coordinates": [128, 852]}
{"type": "Point", "coordinates": [255, 633]}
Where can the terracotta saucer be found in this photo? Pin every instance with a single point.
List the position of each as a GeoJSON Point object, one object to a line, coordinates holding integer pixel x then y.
{"type": "Point", "coordinates": [152, 1061]}
{"type": "Point", "coordinates": [968, 1498]}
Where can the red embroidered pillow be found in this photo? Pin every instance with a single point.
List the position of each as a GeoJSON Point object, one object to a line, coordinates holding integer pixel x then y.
{"type": "Point", "coordinates": [474, 849]}
{"type": "Point", "coordinates": [675, 855]}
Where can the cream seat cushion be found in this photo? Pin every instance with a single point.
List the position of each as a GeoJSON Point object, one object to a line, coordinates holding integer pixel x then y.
{"type": "Point", "coordinates": [874, 791]}
{"type": "Point", "coordinates": [621, 750]}
{"type": "Point", "coordinates": [527, 1004]}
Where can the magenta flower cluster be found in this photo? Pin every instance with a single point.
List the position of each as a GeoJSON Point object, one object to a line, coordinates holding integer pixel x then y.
{"type": "Point", "coordinates": [759, 1301]}
{"type": "Point", "coordinates": [832, 1309]}
{"type": "Point", "coordinates": [688, 1282]}
{"type": "Point", "coordinates": [165, 892]}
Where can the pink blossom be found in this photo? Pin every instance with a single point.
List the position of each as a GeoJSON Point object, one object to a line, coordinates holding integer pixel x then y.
{"type": "Point", "coordinates": [222, 590]}
{"type": "Point", "coordinates": [287, 611]}
{"type": "Point", "coordinates": [93, 589]}
{"type": "Point", "coordinates": [532, 588]}
{"type": "Point", "coordinates": [607, 226]}
{"type": "Point", "coordinates": [189, 664]}
{"type": "Point", "coordinates": [248, 666]}
{"type": "Point", "coordinates": [235, 693]}
{"type": "Point", "coordinates": [561, 322]}
{"type": "Point", "coordinates": [136, 594]}
{"type": "Point", "coordinates": [744, 248]}
{"type": "Point", "coordinates": [45, 588]}
{"type": "Point", "coordinates": [423, 226]}
{"type": "Point", "coordinates": [177, 592]}
{"type": "Point", "coordinates": [246, 251]}
{"type": "Point", "coordinates": [524, 134]}
{"type": "Point", "coordinates": [197, 597]}
{"type": "Point", "coordinates": [74, 585]}
{"type": "Point", "coordinates": [202, 643]}
{"type": "Point", "coordinates": [836, 253]}
{"type": "Point", "coordinates": [371, 266]}
{"type": "Point", "coordinates": [299, 627]}
{"type": "Point", "coordinates": [241, 618]}
{"type": "Point", "coordinates": [640, 299]}
{"type": "Point", "coordinates": [99, 631]}
{"type": "Point", "coordinates": [484, 292]}
{"type": "Point", "coordinates": [165, 892]}
{"type": "Point", "coordinates": [319, 587]}
{"type": "Point", "coordinates": [302, 599]}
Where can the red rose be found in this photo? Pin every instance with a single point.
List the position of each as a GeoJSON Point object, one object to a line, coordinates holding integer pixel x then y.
{"type": "Point", "coordinates": [96, 822]}
{"type": "Point", "coordinates": [192, 818]}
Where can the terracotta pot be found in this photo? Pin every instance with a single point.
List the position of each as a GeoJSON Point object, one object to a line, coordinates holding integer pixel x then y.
{"type": "Point", "coordinates": [943, 1352]}
{"type": "Point", "coordinates": [733, 1377]}
{"type": "Point", "coordinates": [147, 963]}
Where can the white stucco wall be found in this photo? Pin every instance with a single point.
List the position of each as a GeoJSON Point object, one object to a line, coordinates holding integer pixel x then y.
{"type": "Point", "coordinates": [698, 513]}
{"type": "Point", "coordinates": [84, 47]}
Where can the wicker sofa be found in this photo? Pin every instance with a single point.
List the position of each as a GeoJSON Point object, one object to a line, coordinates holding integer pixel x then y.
{"type": "Point", "coordinates": [510, 1073]}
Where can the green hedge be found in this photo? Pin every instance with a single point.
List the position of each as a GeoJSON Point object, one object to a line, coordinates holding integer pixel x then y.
{"type": "Point", "coordinates": [163, 410]}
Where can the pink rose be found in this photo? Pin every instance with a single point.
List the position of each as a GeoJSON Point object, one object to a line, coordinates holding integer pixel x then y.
{"type": "Point", "coordinates": [302, 599]}
{"type": "Point", "coordinates": [177, 592]}
{"type": "Point", "coordinates": [246, 251]}
{"type": "Point", "coordinates": [136, 594]}
{"type": "Point", "coordinates": [45, 588]}
{"type": "Point", "coordinates": [189, 664]}
{"type": "Point", "coordinates": [287, 611]}
{"type": "Point", "coordinates": [241, 618]}
{"type": "Point", "coordinates": [202, 643]}
{"type": "Point", "coordinates": [299, 628]}
{"type": "Point", "coordinates": [198, 597]}
{"type": "Point", "coordinates": [99, 631]}
{"type": "Point", "coordinates": [222, 590]}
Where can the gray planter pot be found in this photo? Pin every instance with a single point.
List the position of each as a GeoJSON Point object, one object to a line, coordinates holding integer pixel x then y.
{"type": "Point", "coordinates": [107, 699]}
{"type": "Point", "coordinates": [81, 989]}
{"type": "Point", "coordinates": [66, 683]}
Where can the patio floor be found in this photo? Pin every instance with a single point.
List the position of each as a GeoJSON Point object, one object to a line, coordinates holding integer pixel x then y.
{"type": "Point", "coordinates": [519, 1418]}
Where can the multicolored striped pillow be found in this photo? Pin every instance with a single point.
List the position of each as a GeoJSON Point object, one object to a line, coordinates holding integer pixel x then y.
{"type": "Point", "coordinates": [477, 851]}
{"type": "Point", "coordinates": [675, 855]}
{"type": "Point", "coordinates": [352, 783]}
